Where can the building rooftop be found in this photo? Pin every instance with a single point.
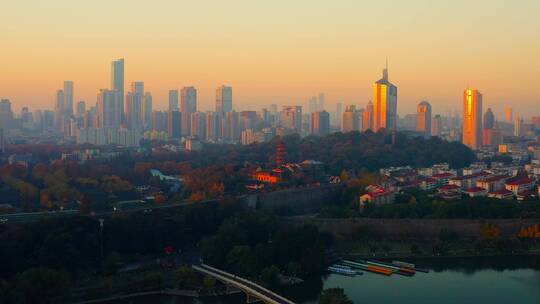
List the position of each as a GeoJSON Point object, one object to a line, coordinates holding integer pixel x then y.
{"type": "Point", "coordinates": [449, 188]}
{"type": "Point", "coordinates": [521, 181]}
{"type": "Point", "coordinates": [475, 190]}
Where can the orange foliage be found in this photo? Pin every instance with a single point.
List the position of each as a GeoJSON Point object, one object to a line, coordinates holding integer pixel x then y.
{"type": "Point", "coordinates": [490, 231]}
{"type": "Point", "coordinates": [531, 232]}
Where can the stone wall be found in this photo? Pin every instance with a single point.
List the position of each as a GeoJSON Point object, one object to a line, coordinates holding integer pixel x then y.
{"type": "Point", "coordinates": [296, 200]}
{"type": "Point", "coordinates": [411, 228]}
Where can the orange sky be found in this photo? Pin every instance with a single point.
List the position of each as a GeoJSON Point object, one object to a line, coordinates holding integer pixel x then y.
{"type": "Point", "coordinates": [276, 51]}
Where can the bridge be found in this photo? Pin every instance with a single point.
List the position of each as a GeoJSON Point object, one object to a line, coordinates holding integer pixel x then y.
{"type": "Point", "coordinates": [254, 292]}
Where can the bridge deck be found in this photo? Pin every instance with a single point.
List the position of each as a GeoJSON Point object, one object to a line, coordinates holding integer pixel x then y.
{"type": "Point", "coordinates": [247, 286]}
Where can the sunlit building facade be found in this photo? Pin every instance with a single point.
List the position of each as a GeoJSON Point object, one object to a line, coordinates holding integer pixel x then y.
{"type": "Point", "coordinates": [385, 104]}
{"type": "Point", "coordinates": [423, 118]}
{"type": "Point", "coordinates": [472, 118]}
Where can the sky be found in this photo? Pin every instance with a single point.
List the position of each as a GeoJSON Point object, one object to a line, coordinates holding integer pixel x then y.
{"type": "Point", "coordinates": [276, 51]}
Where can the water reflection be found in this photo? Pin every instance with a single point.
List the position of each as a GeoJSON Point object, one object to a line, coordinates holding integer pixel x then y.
{"type": "Point", "coordinates": [451, 280]}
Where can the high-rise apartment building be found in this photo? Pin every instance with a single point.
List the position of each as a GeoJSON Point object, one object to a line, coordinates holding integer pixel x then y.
{"type": "Point", "coordinates": [223, 99]}
{"type": "Point", "coordinates": [173, 100]}
{"type": "Point", "coordinates": [423, 118]}
{"type": "Point", "coordinates": [367, 117]}
{"type": "Point", "coordinates": [80, 109]}
{"type": "Point", "coordinates": [320, 123]}
{"type": "Point", "coordinates": [472, 118]}
{"type": "Point", "coordinates": [59, 113]}
{"type": "Point", "coordinates": [117, 82]}
{"type": "Point", "coordinates": [134, 102]}
{"type": "Point", "coordinates": [436, 126]}
{"type": "Point", "coordinates": [68, 98]}
{"type": "Point", "coordinates": [291, 118]}
{"type": "Point", "coordinates": [385, 104]}
{"type": "Point", "coordinates": [147, 110]}
{"type": "Point", "coordinates": [198, 125]}
{"type": "Point", "coordinates": [109, 109]}
{"type": "Point", "coordinates": [188, 106]}
{"type": "Point", "coordinates": [213, 126]}
{"type": "Point", "coordinates": [137, 87]}
{"type": "Point", "coordinates": [159, 121]}
{"type": "Point", "coordinates": [174, 124]}
{"type": "Point", "coordinates": [351, 119]}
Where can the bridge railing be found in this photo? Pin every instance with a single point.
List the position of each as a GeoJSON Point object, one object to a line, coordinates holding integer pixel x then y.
{"type": "Point", "coordinates": [245, 283]}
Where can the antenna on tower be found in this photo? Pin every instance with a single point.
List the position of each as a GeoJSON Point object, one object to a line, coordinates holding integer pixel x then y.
{"type": "Point", "coordinates": [385, 71]}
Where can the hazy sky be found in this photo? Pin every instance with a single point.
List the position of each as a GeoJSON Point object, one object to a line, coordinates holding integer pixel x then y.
{"type": "Point", "coordinates": [276, 51]}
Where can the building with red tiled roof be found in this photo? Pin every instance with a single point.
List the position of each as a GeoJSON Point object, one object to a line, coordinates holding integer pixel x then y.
{"type": "Point", "coordinates": [501, 194]}
{"type": "Point", "coordinates": [449, 191]}
{"type": "Point", "coordinates": [476, 192]}
{"type": "Point", "coordinates": [376, 195]}
{"type": "Point", "coordinates": [492, 183]}
{"type": "Point", "coordinates": [467, 181]}
{"type": "Point", "coordinates": [519, 185]}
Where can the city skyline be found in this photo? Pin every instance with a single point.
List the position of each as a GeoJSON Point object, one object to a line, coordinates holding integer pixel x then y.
{"type": "Point", "coordinates": [282, 62]}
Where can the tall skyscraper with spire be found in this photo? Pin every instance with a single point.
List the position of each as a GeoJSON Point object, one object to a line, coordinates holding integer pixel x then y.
{"type": "Point", "coordinates": [117, 81]}
{"type": "Point", "coordinates": [472, 118]}
{"type": "Point", "coordinates": [385, 103]}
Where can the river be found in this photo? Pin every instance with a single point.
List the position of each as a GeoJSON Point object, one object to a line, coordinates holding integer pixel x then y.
{"type": "Point", "coordinates": [450, 280]}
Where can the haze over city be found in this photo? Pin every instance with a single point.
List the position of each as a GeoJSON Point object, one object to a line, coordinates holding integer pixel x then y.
{"type": "Point", "coordinates": [276, 52]}
{"type": "Point", "coordinates": [280, 152]}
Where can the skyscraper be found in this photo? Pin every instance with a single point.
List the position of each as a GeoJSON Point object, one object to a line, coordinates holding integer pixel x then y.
{"type": "Point", "coordinates": [174, 124]}
{"type": "Point", "coordinates": [291, 118]}
{"type": "Point", "coordinates": [472, 118]}
{"type": "Point", "coordinates": [134, 102]}
{"type": "Point", "coordinates": [59, 113]}
{"type": "Point", "coordinates": [223, 99]}
{"type": "Point", "coordinates": [423, 118]}
{"type": "Point", "coordinates": [173, 100]}
{"type": "Point", "coordinates": [109, 109]}
{"type": "Point", "coordinates": [137, 87]}
{"type": "Point", "coordinates": [491, 135]}
{"type": "Point", "coordinates": [81, 108]}
{"type": "Point", "coordinates": [320, 123]}
{"type": "Point", "coordinates": [117, 81]}
{"type": "Point", "coordinates": [339, 112]}
{"type": "Point", "coordinates": [489, 119]}
{"type": "Point", "coordinates": [508, 115]}
{"type": "Point", "coordinates": [213, 126]}
{"type": "Point", "coordinates": [198, 125]}
{"type": "Point", "coordinates": [367, 117]}
{"type": "Point", "coordinates": [6, 115]}
{"type": "Point", "coordinates": [436, 126]}
{"type": "Point", "coordinates": [320, 106]}
{"type": "Point", "coordinates": [188, 106]}
{"type": "Point", "coordinates": [313, 104]}
{"type": "Point", "coordinates": [68, 98]}
{"type": "Point", "coordinates": [385, 104]}
{"type": "Point", "coordinates": [147, 110]}
{"type": "Point", "coordinates": [351, 119]}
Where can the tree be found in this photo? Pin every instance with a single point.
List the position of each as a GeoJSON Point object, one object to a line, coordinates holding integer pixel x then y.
{"type": "Point", "coordinates": [209, 283]}
{"type": "Point", "coordinates": [270, 276]}
{"type": "Point", "coordinates": [42, 285]}
{"type": "Point", "coordinates": [490, 231]}
{"type": "Point", "coordinates": [334, 296]}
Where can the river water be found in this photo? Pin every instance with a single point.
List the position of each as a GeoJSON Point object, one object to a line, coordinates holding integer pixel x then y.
{"type": "Point", "coordinates": [470, 280]}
